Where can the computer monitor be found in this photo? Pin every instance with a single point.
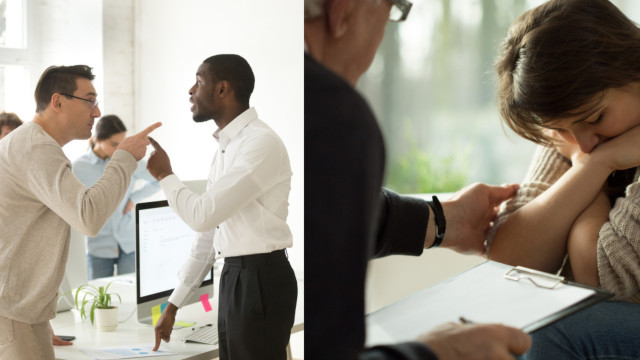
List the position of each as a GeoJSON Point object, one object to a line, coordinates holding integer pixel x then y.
{"type": "Point", "coordinates": [163, 242]}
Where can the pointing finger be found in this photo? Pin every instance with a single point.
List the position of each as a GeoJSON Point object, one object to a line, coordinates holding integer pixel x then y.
{"type": "Point", "coordinates": [149, 129]}
{"type": "Point", "coordinates": [158, 336]}
{"type": "Point", "coordinates": [154, 143]}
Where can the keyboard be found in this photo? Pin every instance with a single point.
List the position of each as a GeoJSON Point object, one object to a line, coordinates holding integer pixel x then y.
{"type": "Point", "coordinates": [207, 334]}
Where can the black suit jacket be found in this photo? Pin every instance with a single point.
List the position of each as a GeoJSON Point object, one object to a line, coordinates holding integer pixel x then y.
{"type": "Point", "coordinates": [348, 219]}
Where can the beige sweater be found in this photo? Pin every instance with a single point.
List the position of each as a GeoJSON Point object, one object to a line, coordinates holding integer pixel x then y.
{"type": "Point", "coordinates": [619, 238]}
{"type": "Point", "coordinates": [39, 198]}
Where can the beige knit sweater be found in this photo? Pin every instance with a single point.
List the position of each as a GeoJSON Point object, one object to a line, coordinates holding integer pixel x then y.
{"type": "Point", "coordinates": [619, 238]}
{"type": "Point", "coordinates": [39, 198]}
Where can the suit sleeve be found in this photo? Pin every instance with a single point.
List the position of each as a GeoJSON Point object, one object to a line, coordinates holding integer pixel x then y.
{"type": "Point", "coordinates": [402, 225]}
{"type": "Point", "coordinates": [348, 219]}
{"type": "Point", "coordinates": [402, 351]}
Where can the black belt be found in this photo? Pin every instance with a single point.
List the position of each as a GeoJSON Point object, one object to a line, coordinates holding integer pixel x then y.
{"type": "Point", "coordinates": [273, 257]}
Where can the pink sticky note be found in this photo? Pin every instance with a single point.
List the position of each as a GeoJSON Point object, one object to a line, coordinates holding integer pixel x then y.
{"type": "Point", "coordinates": [204, 299]}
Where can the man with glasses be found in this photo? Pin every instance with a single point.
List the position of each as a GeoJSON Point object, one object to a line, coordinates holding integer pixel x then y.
{"type": "Point", "coordinates": [348, 219]}
{"type": "Point", "coordinates": [41, 199]}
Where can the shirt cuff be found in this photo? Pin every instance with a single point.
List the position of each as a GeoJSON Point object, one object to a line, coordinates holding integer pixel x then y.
{"type": "Point", "coordinates": [180, 295]}
{"type": "Point", "coordinates": [171, 183]}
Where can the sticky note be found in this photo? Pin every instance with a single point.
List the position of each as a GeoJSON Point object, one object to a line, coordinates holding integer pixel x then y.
{"type": "Point", "coordinates": [204, 299]}
{"type": "Point", "coordinates": [156, 311]}
{"type": "Point", "coordinates": [183, 324]}
{"type": "Point", "coordinates": [163, 306]}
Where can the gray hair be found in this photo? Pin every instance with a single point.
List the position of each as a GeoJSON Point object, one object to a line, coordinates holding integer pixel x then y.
{"type": "Point", "coordinates": [313, 8]}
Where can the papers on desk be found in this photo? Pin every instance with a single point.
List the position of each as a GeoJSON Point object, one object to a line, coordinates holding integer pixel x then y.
{"type": "Point", "coordinates": [131, 352]}
{"type": "Point", "coordinates": [526, 299]}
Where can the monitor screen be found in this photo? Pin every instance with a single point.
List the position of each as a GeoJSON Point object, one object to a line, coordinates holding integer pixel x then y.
{"type": "Point", "coordinates": [163, 242]}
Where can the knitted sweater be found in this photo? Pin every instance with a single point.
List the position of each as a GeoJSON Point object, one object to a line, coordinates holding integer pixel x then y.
{"type": "Point", "coordinates": [619, 238]}
{"type": "Point", "coordinates": [40, 199]}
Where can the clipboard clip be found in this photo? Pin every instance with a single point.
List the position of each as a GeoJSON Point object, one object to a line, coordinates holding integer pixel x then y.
{"type": "Point", "coordinates": [538, 278]}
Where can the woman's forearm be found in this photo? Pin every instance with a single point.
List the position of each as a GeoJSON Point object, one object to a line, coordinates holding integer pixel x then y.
{"type": "Point", "coordinates": [583, 240]}
{"type": "Point", "coordinates": [535, 235]}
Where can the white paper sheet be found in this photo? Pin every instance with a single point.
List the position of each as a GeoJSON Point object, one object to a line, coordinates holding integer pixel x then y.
{"type": "Point", "coordinates": [481, 295]}
{"type": "Point", "coordinates": [129, 352]}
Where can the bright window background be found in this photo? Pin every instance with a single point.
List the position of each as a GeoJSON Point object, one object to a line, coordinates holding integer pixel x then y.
{"type": "Point", "coordinates": [12, 24]}
{"type": "Point", "coordinates": [432, 87]}
{"type": "Point", "coordinates": [14, 57]}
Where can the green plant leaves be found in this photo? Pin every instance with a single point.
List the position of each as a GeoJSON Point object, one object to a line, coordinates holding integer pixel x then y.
{"type": "Point", "coordinates": [98, 296]}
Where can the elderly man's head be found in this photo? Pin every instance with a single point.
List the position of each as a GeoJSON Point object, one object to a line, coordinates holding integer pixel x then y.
{"type": "Point", "coordinates": [345, 34]}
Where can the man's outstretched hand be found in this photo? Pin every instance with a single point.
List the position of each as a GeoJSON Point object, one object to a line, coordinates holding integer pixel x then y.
{"type": "Point", "coordinates": [159, 165]}
{"type": "Point", "coordinates": [136, 144]}
{"type": "Point", "coordinates": [164, 326]}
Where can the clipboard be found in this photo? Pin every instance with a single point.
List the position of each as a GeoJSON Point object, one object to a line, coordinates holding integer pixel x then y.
{"type": "Point", "coordinates": [491, 292]}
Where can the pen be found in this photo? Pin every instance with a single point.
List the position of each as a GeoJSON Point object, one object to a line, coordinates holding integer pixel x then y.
{"type": "Point", "coordinates": [202, 327]}
{"type": "Point", "coordinates": [465, 321]}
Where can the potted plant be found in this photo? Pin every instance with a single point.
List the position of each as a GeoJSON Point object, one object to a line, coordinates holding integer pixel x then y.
{"type": "Point", "coordinates": [104, 314]}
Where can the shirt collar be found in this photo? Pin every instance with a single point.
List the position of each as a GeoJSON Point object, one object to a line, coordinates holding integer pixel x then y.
{"type": "Point", "coordinates": [235, 126]}
{"type": "Point", "coordinates": [95, 159]}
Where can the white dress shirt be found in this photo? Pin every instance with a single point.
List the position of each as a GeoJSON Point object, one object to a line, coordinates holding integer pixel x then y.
{"type": "Point", "coordinates": [244, 210]}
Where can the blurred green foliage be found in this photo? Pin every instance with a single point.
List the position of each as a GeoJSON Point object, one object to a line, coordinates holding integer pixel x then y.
{"type": "Point", "coordinates": [418, 172]}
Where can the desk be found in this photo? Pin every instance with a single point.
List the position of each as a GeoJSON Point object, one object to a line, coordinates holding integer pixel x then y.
{"type": "Point", "coordinates": [130, 332]}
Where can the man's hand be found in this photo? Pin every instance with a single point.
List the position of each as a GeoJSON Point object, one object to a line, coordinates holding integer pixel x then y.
{"type": "Point", "coordinates": [460, 342]}
{"type": "Point", "coordinates": [136, 144]}
{"type": "Point", "coordinates": [469, 215]}
{"type": "Point", "coordinates": [57, 341]}
{"type": "Point", "coordinates": [164, 326]}
{"type": "Point", "coordinates": [159, 165]}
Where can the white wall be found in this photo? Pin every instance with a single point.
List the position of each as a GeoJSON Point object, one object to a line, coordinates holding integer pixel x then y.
{"type": "Point", "coordinates": [68, 33]}
{"type": "Point", "coordinates": [117, 37]}
{"type": "Point", "coordinates": [171, 41]}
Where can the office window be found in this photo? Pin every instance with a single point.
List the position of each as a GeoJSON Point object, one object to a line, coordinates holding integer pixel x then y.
{"type": "Point", "coordinates": [13, 86]}
{"type": "Point", "coordinates": [12, 24]}
{"type": "Point", "coordinates": [15, 58]}
{"type": "Point", "coordinates": [432, 87]}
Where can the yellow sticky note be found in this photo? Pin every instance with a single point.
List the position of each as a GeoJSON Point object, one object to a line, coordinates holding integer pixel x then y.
{"type": "Point", "coordinates": [183, 324]}
{"type": "Point", "coordinates": [156, 311]}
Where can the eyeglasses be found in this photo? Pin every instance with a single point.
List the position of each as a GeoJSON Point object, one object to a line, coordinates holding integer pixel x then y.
{"type": "Point", "coordinates": [400, 10]}
{"type": "Point", "coordinates": [92, 102]}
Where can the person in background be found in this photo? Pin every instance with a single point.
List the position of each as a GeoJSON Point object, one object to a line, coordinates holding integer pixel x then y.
{"type": "Point", "coordinates": [8, 123]}
{"type": "Point", "coordinates": [42, 199]}
{"type": "Point", "coordinates": [114, 245]}
{"type": "Point", "coordinates": [349, 219]}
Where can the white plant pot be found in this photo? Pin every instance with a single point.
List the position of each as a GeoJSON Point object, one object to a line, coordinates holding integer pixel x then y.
{"type": "Point", "coordinates": [106, 319]}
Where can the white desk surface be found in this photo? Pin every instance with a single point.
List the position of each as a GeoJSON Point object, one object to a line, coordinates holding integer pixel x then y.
{"type": "Point", "coordinates": [130, 332]}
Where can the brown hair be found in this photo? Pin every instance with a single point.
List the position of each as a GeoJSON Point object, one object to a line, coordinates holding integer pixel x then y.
{"type": "Point", "coordinates": [59, 79]}
{"type": "Point", "coordinates": [559, 58]}
{"type": "Point", "coordinates": [9, 119]}
{"type": "Point", "coordinates": [106, 127]}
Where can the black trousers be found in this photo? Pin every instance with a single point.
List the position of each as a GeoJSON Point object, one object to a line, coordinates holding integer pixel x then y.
{"type": "Point", "coordinates": [257, 307]}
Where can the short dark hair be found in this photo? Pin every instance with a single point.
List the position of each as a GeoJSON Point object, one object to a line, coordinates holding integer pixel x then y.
{"type": "Point", "coordinates": [59, 79]}
{"type": "Point", "coordinates": [560, 57]}
{"type": "Point", "coordinates": [237, 71]}
{"type": "Point", "coordinates": [9, 119]}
